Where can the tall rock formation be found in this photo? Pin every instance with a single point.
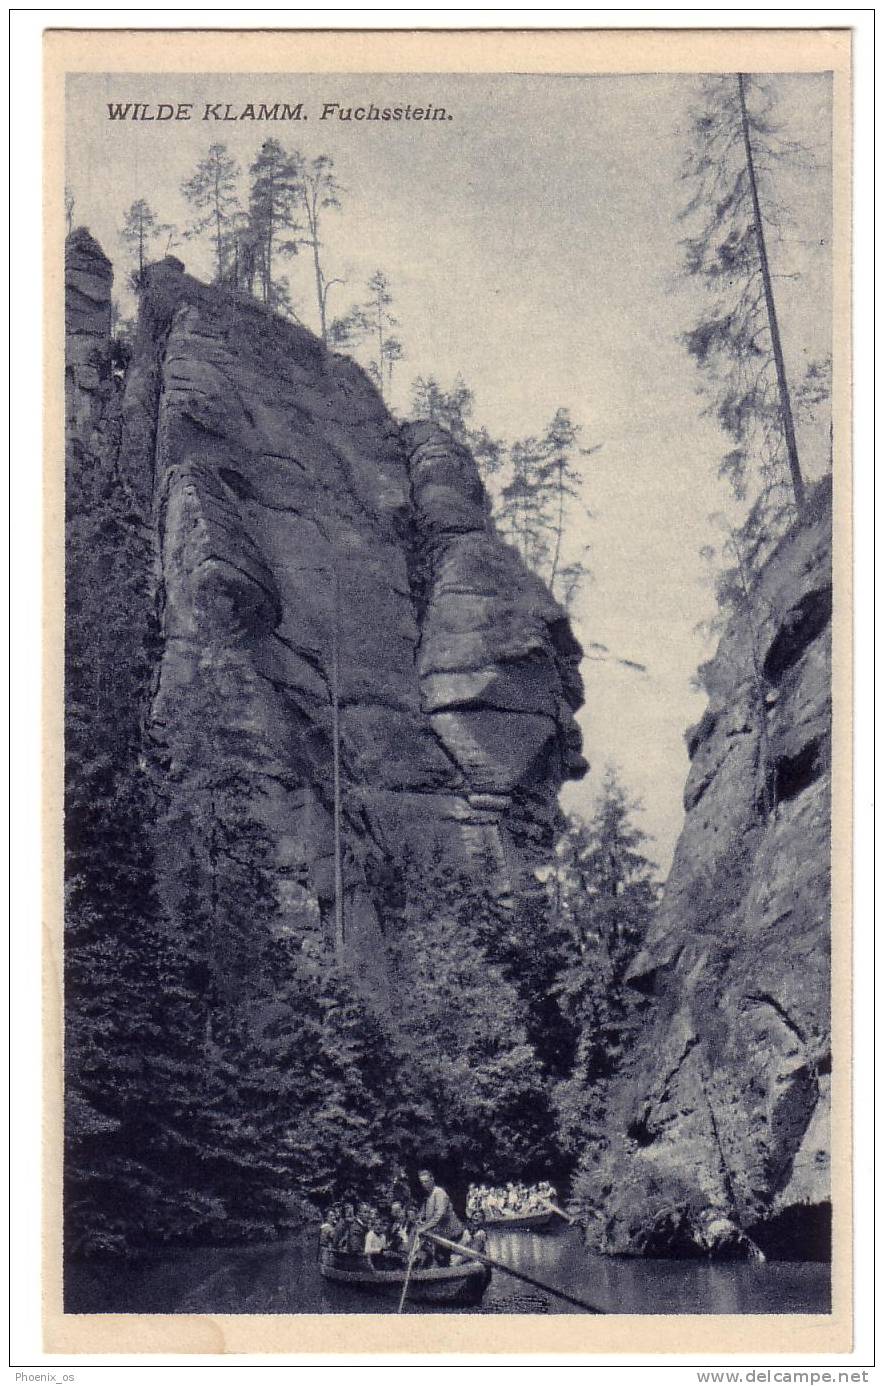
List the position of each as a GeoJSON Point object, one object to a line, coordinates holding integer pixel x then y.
{"type": "Point", "coordinates": [88, 282]}
{"type": "Point", "coordinates": [308, 544]}
{"type": "Point", "coordinates": [721, 1123]}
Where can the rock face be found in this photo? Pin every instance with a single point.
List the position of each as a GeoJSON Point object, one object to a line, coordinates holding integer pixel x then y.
{"type": "Point", "coordinates": [307, 544]}
{"type": "Point", "coordinates": [88, 281]}
{"type": "Point", "coordinates": [724, 1111]}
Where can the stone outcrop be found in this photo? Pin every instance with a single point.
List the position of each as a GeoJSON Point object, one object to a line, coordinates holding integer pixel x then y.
{"type": "Point", "coordinates": [303, 538]}
{"type": "Point", "coordinates": [88, 282]}
{"type": "Point", "coordinates": [723, 1115]}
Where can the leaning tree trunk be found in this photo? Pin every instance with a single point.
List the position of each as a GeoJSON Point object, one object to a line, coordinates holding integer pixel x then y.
{"type": "Point", "coordinates": [782, 383]}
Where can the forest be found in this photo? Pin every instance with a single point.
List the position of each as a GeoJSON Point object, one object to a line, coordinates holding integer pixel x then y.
{"type": "Point", "coordinates": [226, 1075]}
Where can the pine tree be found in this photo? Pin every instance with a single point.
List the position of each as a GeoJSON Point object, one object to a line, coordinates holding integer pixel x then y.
{"type": "Point", "coordinates": [113, 920]}
{"type": "Point", "coordinates": [731, 169]}
{"type": "Point", "coordinates": [464, 1038]}
{"type": "Point", "coordinates": [371, 321]}
{"type": "Point", "coordinates": [320, 192]}
{"type": "Point", "coordinates": [212, 193]}
{"type": "Point", "coordinates": [539, 503]}
{"type": "Point", "coordinates": [140, 229]}
{"type": "Point", "coordinates": [604, 892]}
{"type": "Point", "coordinates": [453, 409]}
{"type": "Point", "coordinates": [274, 224]}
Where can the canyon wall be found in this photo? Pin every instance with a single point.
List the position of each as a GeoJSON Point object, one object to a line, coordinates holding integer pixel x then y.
{"type": "Point", "coordinates": [720, 1124]}
{"type": "Point", "coordinates": [309, 549]}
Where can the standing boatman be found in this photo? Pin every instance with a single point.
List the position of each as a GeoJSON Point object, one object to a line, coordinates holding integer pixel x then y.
{"type": "Point", "coordinates": [437, 1214]}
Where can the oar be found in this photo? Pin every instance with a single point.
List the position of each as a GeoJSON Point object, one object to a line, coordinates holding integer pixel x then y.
{"type": "Point", "coordinates": [411, 1255]}
{"type": "Point", "coordinates": [556, 1209]}
{"type": "Point", "coordinates": [469, 1254]}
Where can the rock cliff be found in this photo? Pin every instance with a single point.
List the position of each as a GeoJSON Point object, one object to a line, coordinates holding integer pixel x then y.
{"type": "Point", "coordinates": [307, 543]}
{"type": "Point", "coordinates": [88, 283]}
{"type": "Point", "coordinates": [720, 1125]}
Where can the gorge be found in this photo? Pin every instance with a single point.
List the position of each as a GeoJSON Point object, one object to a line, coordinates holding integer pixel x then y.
{"type": "Point", "coordinates": [260, 555]}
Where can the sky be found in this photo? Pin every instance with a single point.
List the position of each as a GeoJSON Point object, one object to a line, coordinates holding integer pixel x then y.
{"type": "Point", "coordinates": [532, 245]}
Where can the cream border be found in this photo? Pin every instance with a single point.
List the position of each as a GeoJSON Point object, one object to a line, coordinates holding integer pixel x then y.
{"type": "Point", "coordinates": [573, 51]}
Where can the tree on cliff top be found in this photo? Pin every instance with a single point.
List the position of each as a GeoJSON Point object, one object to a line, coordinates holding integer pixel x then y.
{"type": "Point", "coordinates": [320, 192]}
{"type": "Point", "coordinates": [371, 321]}
{"type": "Point", "coordinates": [140, 229]}
{"type": "Point", "coordinates": [275, 229]}
{"type": "Point", "coordinates": [211, 191]}
{"type": "Point", "coordinates": [542, 505]}
{"type": "Point", "coordinates": [453, 409]}
{"type": "Point", "coordinates": [730, 169]}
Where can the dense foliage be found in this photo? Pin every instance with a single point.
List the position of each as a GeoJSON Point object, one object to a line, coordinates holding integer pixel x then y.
{"type": "Point", "coordinates": [606, 890]}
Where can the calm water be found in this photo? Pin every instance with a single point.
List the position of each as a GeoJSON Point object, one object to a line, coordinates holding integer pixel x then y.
{"type": "Point", "coordinates": [283, 1279]}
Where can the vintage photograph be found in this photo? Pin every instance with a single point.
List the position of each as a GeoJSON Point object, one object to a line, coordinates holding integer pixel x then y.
{"type": "Point", "coordinates": [448, 692]}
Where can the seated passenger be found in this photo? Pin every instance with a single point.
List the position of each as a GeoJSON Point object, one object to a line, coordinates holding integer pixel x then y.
{"type": "Point", "coordinates": [398, 1233]}
{"type": "Point", "coordinates": [375, 1240]}
{"type": "Point", "coordinates": [350, 1232]}
{"type": "Point", "coordinates": [327, 1230]}
{"type": "Point", "coordinates": [478, 1235]}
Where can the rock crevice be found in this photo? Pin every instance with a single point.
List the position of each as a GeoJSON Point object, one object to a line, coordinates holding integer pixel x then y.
{"type": "Point", "coordinates": [738, 955]}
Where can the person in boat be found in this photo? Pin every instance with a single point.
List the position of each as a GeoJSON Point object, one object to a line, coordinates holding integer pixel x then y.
{"type": "Point", "coordinates": [478, 1235]}
{"type": "Point", "coordinates": [398, 1233]}
{"type": "Point", "coordinates": [350, 1232]}
{"type": "Point", "coordinates": [398, 1190]}
{"type": "Point", "coordinates": [474, 1238]}
{"type": "Point", "coordinates": [328, 1228]}
{"type": "Point", "coordinates": [437, 1215]}
{"type": "Point", "coordinates": [375, 1240]}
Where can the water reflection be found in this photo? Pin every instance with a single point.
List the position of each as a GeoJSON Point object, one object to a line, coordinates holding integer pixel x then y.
{"type": "Point", "coordinates": [632, 1286]}
{"type": "Point", "coordinates": [283, 1279]}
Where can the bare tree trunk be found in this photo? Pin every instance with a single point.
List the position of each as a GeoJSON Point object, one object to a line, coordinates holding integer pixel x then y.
{"type": "Point", "coordinates": [559, 527]}
{"type": "Point", "coordinates": [336, 762]}
{"type": "Point", "coordinates": [380, 347]}
{"type": "Point", "coordinates": [313, 228]}
{"type": "Point", "coordinates": [782, 383]}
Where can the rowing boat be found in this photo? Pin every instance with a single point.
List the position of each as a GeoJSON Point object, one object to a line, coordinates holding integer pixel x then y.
{"type": "Point", "coordinates": [520, 1222]}
{"type": "Point", "coordinates": [464, 1284]}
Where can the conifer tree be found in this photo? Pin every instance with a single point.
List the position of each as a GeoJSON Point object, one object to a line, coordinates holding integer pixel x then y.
{"type": "Point", "coordinates": [453, 409]}
{"type": "Point", "coordinates": [464, 1037]}
{"type": "Point", "coordinates": [320, 192]}
{"type": "Point", "coordinates": [541, 501]}
{"type": "Point", "coordinates": [371, 321]}
{"type": "Point", "coordinates": [731, 170]}
{"type": "Point", "coordinates": [140, 229]}
{"type": "Point", "coordinates": [604, 892]}
{"type": "Point", "coordinates": [211, 191]}
{"type": "Point", "coordinates": [113, 920]}
{"type": "Point", "coordinates": [274, 223]}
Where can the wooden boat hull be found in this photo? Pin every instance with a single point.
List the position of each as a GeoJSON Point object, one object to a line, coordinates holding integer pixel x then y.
{"type": "Point", "coordinates": [461, 1285]}
{"type": "Point", "coordinates": [525, 1222]}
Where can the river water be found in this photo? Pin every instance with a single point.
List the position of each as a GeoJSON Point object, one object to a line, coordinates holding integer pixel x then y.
{"type": "Point", "coordinates": [283, 1279]}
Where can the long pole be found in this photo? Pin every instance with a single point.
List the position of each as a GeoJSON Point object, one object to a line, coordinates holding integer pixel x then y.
{"type": "Point", "coordinates": [411, 1255]}
{"type": "Point", "coordinates": [782, 383]}
{"type": "Point", "coordinates": [470, 1254]}
{"type": "Point", "coordinates": [336, 763]}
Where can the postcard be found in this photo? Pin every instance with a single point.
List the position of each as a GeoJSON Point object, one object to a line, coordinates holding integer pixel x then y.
{"type": "Point", "coordinates": [449, 768]}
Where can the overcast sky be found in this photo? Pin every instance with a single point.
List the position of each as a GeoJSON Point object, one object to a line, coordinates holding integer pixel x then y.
{"type": "Point", "coordinates": [532, 245]}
